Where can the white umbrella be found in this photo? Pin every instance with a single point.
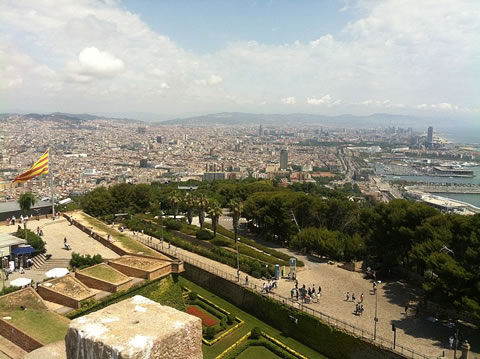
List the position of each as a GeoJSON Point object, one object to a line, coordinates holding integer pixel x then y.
{"type": "Point", "coordinates": [56, 272]}
{"type": "Point", "coordinates": [20, 282]}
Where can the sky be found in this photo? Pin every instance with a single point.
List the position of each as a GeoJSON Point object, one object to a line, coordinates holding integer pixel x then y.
{"type": "Point", "coordinates": [180, 58]}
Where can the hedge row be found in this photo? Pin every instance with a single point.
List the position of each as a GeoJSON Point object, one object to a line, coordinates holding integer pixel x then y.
{"type": "Point", "coordinates": [248, 265]}
{"type": "Point", "coordinates": [259, 342]}
{"type": "Point", "coordinates": [225, 232]}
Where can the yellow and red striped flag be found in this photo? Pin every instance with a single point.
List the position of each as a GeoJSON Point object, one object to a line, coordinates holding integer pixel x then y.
{"type": "Point", "coordinates": [39, 168]}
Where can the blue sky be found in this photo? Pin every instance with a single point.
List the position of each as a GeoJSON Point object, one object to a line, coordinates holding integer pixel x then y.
{"type": "Point", "coordinates": [176, 58]}
{"type": "Point", "coordinates": [205, 26]}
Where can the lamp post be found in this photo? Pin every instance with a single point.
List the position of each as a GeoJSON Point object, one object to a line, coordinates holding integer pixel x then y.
{"type": "Point", "coordinates": [375, 320]}
{"type": "Point", "coordinates": [3, 273]}
{"type": "Point", "coordinates": [238, 260]}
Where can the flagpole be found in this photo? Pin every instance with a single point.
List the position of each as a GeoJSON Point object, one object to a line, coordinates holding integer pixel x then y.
{"type": "Point", "coordinates": [52, 186]}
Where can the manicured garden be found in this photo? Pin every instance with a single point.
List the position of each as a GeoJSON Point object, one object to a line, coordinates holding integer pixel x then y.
{"type": "Point", "coordinates": [221, 248]}
{"type": "Point", "coordinates": [227, 341]}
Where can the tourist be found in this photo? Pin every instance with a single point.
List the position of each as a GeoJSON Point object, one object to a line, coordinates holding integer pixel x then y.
{"type": "Point", "coordinates": [264, 287]}
{"type": "Point", "coordinates": [313, 288]}
{"type": "Point", "coordinates": [319, 291]}
{"type": "Point", "coordinates": [292, 293]}
{"type": "Point", "coordinates": [296, 294]}
{"type": "Point", "coordinates": [353, 297]}
{"type": "Point", "coordinates": [246, 280]}
{"type": "Point", "coordinates": [347, 296]}
{"type": "Point", "coordinates": [450, 341]}
{"type": "Point", "coordinates": [361, 298]}
{"type": "Point", "coordinates": [309, 291]}
{"type": "Point", "coordinates": [108, 237]}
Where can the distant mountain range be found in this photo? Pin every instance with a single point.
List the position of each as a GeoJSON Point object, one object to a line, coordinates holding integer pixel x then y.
{"type": "Point", "coordinates": [241, 118]}
{"type": "Point", "coordinates": [420, 123]}
{"type": "Point", "coordinates": [69, 117]}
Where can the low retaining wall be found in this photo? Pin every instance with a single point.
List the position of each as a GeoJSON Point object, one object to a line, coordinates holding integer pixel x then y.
{"type": "Point", "coordinates": [99, 284]}
{"type": "Point", "coordinates": [96, 236]}
{"type": "Point", "coordinates": [16, 336]}
{"type": "Point", "coordinates": [140, 273]}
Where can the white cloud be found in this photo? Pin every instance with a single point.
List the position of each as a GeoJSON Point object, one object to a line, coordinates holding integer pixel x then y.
{"type": "Point", "coordinates": [93, 63]}
{"type": "Point", "coordinates": [289, 100]}
{"type": "Point", "coordinates": [407, 51]}
{"type": "Point", "coordinates": [325, 100]}
{"type": "Point", "coordinates": [212, 80]}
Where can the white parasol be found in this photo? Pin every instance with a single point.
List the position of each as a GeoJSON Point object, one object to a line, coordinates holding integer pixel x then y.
{"type": "Point", "coordinates": [57, 272]}
{"type": "Point", "coordinates": [20, 282]}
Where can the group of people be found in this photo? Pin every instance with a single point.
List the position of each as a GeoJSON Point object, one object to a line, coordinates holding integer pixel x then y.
{"type": "Point", "coordinates": [268, 287]}
{"type": "Point", "coordinates": [306, 294]}
{"type": "Point", "coordinates": [359, 305]}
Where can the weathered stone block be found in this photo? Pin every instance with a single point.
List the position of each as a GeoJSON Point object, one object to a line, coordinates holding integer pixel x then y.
{"type": "Point", "coordinates": [136, 328]}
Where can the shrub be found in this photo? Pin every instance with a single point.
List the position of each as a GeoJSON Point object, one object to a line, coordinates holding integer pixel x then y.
{"type": "Point", "coordinates": [230, 319]}
{"type": "Point", "coordinates": [220, 241]}
{"type": "Point", "coordinates": [210, 333]}
{"type": "Point", "coordinates": [81, 261]}
{"type": "Point", "coordinates": [173, 225]}
{"type": "Point", "coordinates": [256, 333]}
{"type": "Point", "coordinates": [33, 239]}
{"type": "Point", "coordinates": [204, 235]}
{"type": "Point", "coordinates": [192, 296]}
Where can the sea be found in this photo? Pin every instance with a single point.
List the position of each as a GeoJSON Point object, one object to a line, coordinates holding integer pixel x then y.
{"type": "Point", "coordinates": [461, 135]}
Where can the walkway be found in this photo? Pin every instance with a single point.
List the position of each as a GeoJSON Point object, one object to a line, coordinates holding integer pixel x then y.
{"type": "Point", "coordinates": [340, 312]}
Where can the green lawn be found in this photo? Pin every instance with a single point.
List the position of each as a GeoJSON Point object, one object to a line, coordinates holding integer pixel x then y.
{"type": "Point", "coordinates": [257, 352]}
{"type": "Point", "coordinates": [127, 242]}
{"type": "Point", "coordinates": [37, 321]}
{"type": "Point", "coordinates": [106, 273]}
{"type": "Point", "coordinates": [210, 352]}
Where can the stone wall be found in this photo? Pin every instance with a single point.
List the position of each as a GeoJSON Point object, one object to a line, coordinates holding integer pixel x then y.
{"type": "Point", "coordinates": [96, 236]}
{"type": "Point", "coordinates": [59, 298]}
{"type": "Point", "coordinates": [18, 337]}
{"type": "Point", "coordinates": [99, 284]}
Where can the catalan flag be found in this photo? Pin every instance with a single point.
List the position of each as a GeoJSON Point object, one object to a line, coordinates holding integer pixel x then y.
{"type": "Point", "coordinates": [39, 168]}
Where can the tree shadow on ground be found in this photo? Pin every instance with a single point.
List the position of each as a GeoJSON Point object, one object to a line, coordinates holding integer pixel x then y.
{"type": "Point", "coordinates": [419, 326]}
{"type": "Point", "coordinates": [400, 292]}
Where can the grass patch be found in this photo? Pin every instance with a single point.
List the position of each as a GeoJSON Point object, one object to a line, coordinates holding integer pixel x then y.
{"type": "Point", "coordinates": [106, 273]}
{"type": "Point", "coordinates": [212, 351]}
{"type": "Point", "coordinates": [37, 321]}
{"type": "Point", "coordinates": [126, 242]}
{"type": "Point", "coordinates": [257, 352]}
{"type": "Point", "coordinates": [165, 291]}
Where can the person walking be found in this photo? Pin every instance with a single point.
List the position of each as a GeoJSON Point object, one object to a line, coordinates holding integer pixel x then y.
{"type": "Point", "coordinates": [353, 297]}
{"type": "Point", "coordinates": [450, 341]}
{"type": "Point", "coordinates": [246, 280]}
{"type": "Point", "coordinates": [361, 298]}
{"type": "Point", "coordinates": [319, 291]}
{"type": "Point", "coordinates": [347, 296]}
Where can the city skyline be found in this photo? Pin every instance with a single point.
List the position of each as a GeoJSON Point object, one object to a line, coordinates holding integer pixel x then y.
{"type": "Point", "coordinates": [330, 58]}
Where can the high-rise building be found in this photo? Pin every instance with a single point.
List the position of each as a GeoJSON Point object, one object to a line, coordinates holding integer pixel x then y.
{"type": "Point", "coordinates": [143, 163]}
{"type": "Point", "coordinates": [430, 136]}
{"type": "Point", "coordinates": [283, 159]}
{"type": "Point", "coordinates": [260, 131]}
{"type": "Point", "coordinates": [159, 139]}
{"type": "Point", "coordinates": [141, 130]}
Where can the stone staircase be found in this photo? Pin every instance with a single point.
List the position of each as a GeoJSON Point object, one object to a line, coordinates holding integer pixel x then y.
{"type": "Point", "coordinates": [54, 263]}
{"type": "Point", "coordinates": [38, 260]}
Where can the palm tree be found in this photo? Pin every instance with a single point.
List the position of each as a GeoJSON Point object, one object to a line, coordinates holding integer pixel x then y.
{"type": "Point", "coordinates": [236, 208]}
{"type": "Point", "coordinates": [174, 202]}
{"type": "Point", "coordinates": [214, 211]}
{"type": "Point", "coordinates": [26, 202]}
{"type": "Point", "coordinates": [189, 202]}
{"type": "Point", "coordinates": [202, 204]}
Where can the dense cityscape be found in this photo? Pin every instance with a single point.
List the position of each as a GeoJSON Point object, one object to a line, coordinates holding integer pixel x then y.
{"type": "Point", "coordinates": [239, 179]}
